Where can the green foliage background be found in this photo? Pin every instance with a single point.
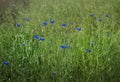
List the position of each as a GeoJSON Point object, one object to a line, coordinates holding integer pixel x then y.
{"type": "Point", "coordinates": [46, 61]}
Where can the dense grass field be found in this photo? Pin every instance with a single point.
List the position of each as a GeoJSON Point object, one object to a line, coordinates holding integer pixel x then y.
{"type": "Point", "coordinates": [62, 41]}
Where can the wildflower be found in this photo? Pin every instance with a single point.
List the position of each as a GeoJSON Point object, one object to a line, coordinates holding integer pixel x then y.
{"type": "Point", "coordinates": [44, 23]}
{"type": "Point", "coordinates": [64, 46]}
{"type": "Point", "coordinates": [42, 38]}
{"type": "Point", "coordinates": [92, 15]}
{"type": "Point", "coordinates": [79, 29]}
{"type": "Point", "coordinates": [26, 19]}
{"type": "Point", "coordinates": [106, 15]}
{"type": "Point", "coordinates": [19, 25]}
{"type": "Point", "coordinates": [100, 19]}
{"type": "Point", "coordinates": [52, 21]}
{"type": "Point", "coordinates": [36, 37]}
{"type": "Point", "coordinates": [6, 63]}
{"type": "Point", "coordinates": [64, 25]}
{"type": "Point", "coordinates": [88, 50]}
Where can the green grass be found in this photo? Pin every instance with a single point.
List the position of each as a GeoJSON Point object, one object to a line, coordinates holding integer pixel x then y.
{"type": "Point", "coordinates": [32, 60]}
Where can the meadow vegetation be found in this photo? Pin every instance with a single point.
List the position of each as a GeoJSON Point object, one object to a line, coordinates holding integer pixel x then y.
{"type": "Point", "coordinates": [62, 41]}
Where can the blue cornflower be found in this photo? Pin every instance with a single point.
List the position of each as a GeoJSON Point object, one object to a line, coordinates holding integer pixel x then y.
{"type": "Point", "coordinates": [36, 37]}
{"type": "Point", "coordinates": [42, 38]}
{"type": "Point", "coordinates": [106, 15]}
{"type": "Point", "coordinates": [6, 63]}
{"type": "Point", "coordinates": [100, 19]}
{"type": "Point", "coordinates": [26, 19]}
{"type": "Point", "coordinates": [79, 29]}
{"type": "Point", "coordinates": [64, 25]}
{"type": "Point", "coordinates": [92, 15]}
{"type": "Point", "coordinates": [52, 21]}
{"type": "Point", "coordinates": [88, 50]}
{"type": "Point", "coordinates": [44, 23]}
{"type": "Point", "coordinates": [19, 25]}
{"type": "Point", "coordinates": [63, 46]}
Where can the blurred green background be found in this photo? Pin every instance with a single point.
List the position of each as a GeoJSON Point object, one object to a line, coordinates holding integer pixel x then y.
{"type": "Point", "coordinates": [59, 41]}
